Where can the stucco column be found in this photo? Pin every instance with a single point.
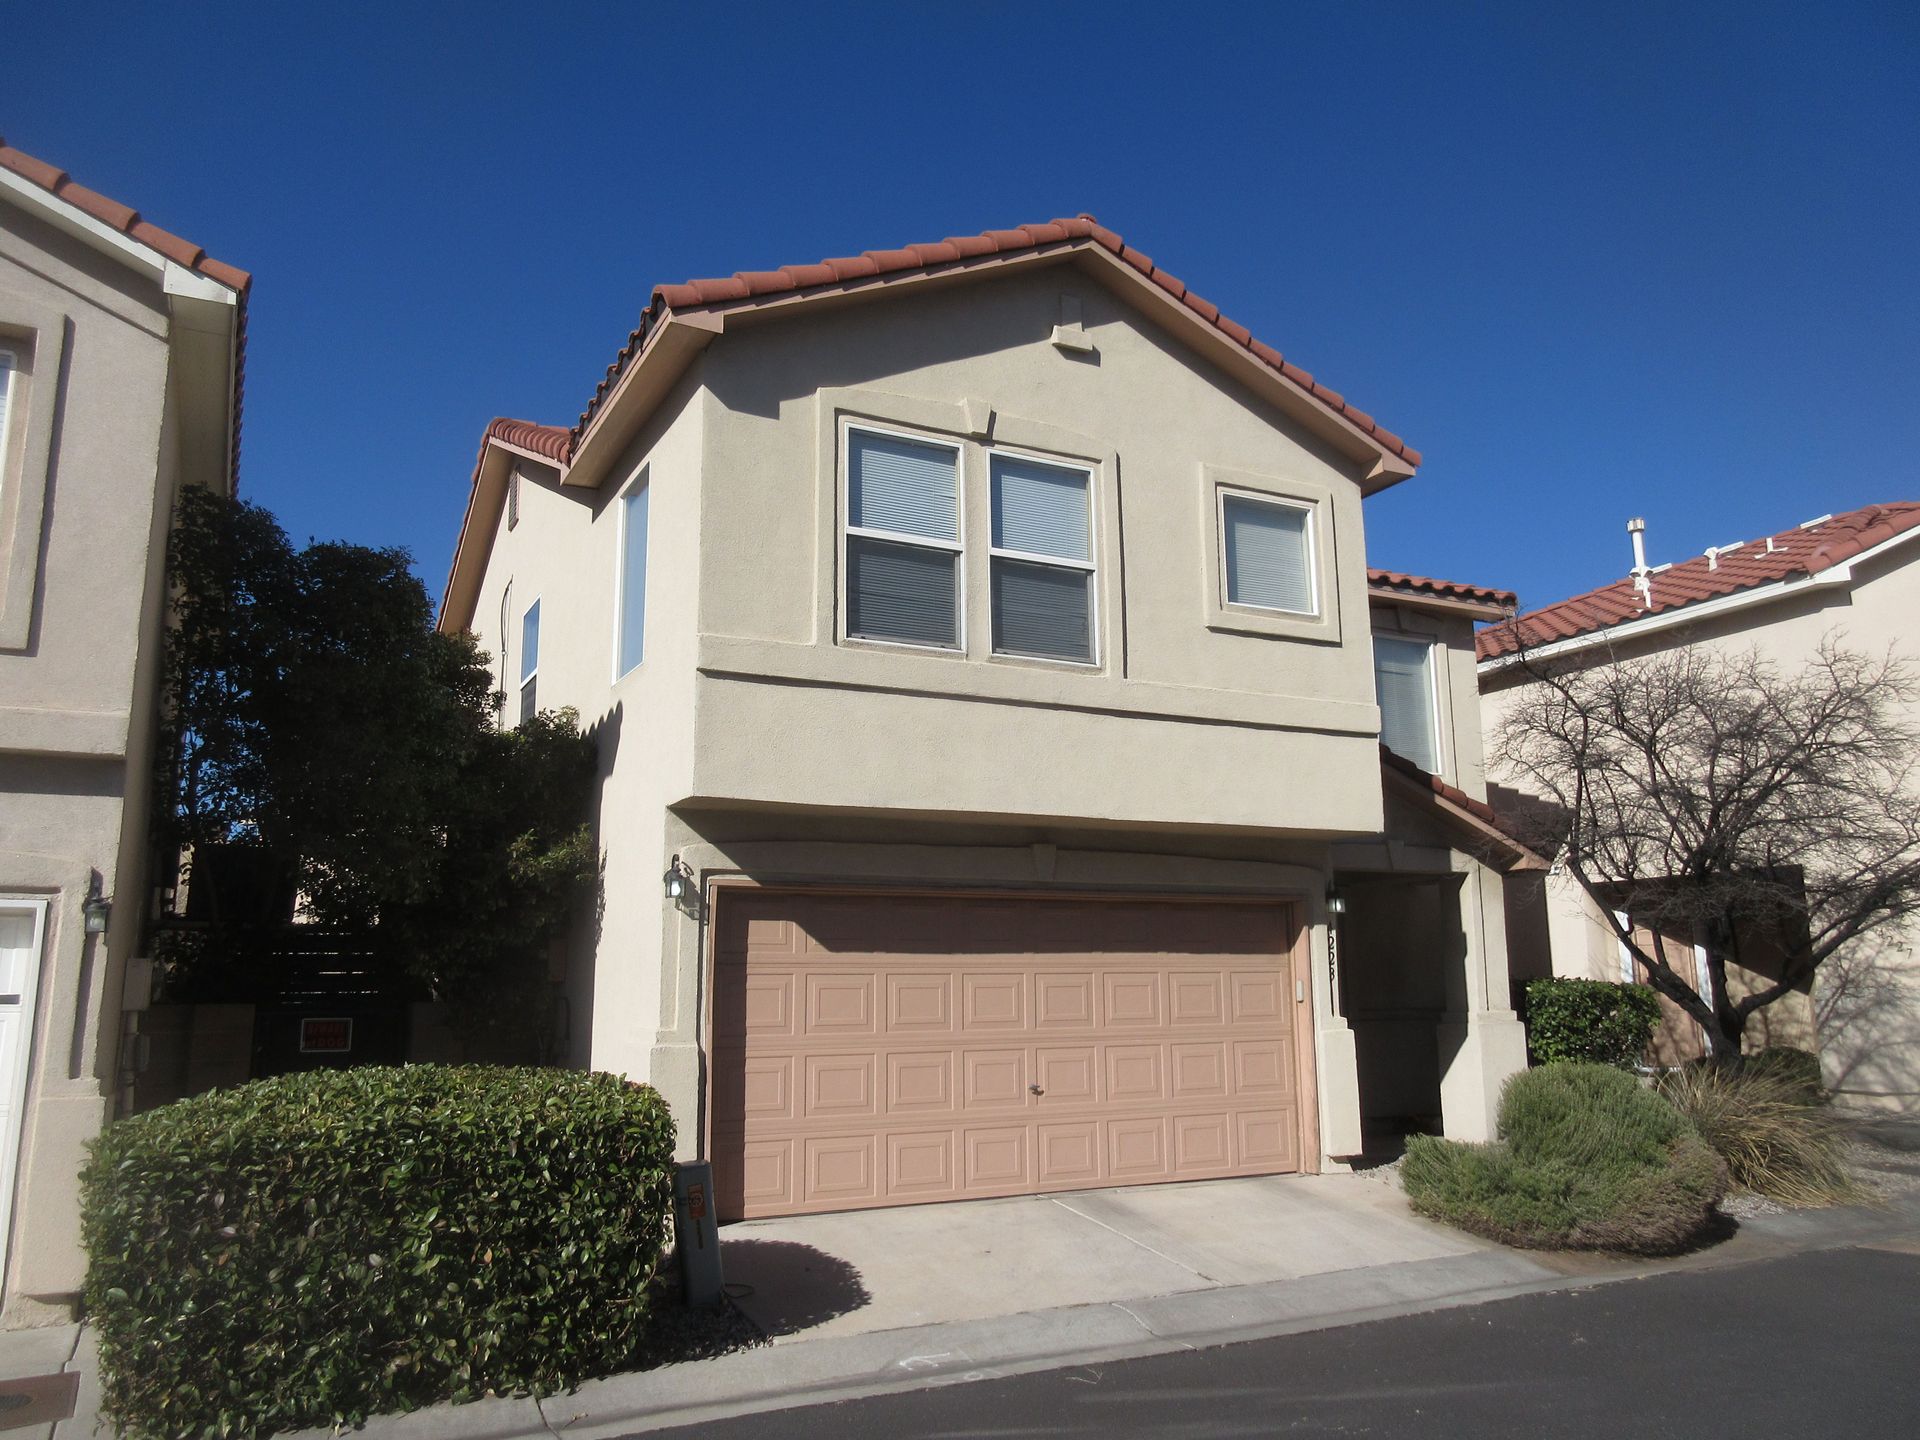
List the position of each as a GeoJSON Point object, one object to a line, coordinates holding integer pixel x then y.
{"type": "Point", "coordinates": [1336, 1059]}
{"type": "Point", "coordinates": [1481, 1040]}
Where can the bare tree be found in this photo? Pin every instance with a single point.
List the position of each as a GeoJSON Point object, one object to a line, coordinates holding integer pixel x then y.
{"type": "Point", "coordinates": [1717, 796]}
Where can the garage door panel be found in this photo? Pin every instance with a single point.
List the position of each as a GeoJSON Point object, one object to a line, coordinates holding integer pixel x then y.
{"type": "Point", "coordinates": [839, 1086]}
{"type": "Point", "coordinates": [1069, 1153]}
{"type": "Point", "coordinates": [920, 1082]}
{"type": "Point", "coordinates": [875, 1050]}
{"type": "Point", "coordinates": [994, 1078]}
{"type": "Point", "coordinates": [919, 1004]}
{"type": "Point", "coordinates": [993, 1001]}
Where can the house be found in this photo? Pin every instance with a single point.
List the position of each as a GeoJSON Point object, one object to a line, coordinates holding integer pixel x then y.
{"type": "Point", "coordinates": [981, 650]}
{"type": "Point", "coordinates": [1855, 576]}
{"type": "Point", "coordinates": [120, 350]}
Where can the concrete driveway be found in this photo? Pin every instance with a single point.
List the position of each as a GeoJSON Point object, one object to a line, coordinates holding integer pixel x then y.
{"type": "Point", "coordinates": [847, 1274]}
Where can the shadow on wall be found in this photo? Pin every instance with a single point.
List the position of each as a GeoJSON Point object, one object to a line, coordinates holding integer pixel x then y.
{"type": "Point", "coordinates": [1867, 1011]}
{"type": "Point", "coordinates": [785, 1287]}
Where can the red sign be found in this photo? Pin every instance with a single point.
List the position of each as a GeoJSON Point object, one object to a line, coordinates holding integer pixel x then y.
{"type": "Point", "coordinates": [329, 1036]}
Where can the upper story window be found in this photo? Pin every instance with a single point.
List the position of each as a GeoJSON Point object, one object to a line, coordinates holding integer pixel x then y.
{"type": "Point", "coordinates": [513, 497]}
{"type": "Point", "coordinates": [9, 364]}
{"type": "Point", "coordinates": [1042, 560]}
{"type": "Point", "coordinates": [903, 546]}
{"type": "Point", "coordinates": [529, 662]}
{"type": "Point", "coordinates": [631, 587]}
{"type": "Point", "coordinates": [1403, 679]}
{"type": "Point", "coordinates": [1268, 559]}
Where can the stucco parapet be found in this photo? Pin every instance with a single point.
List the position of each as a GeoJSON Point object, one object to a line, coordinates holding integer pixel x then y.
{"type": "Point", "coordinates": [959, 678]}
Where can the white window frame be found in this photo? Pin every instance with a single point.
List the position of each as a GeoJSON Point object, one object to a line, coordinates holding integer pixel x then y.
{"type": "Point", "coordinates": [1222, 494]}
{"type": "Point", "coordinates": [18, 1081]}
{"type": "Point", "coordinates": [1090, 566]}
{"type": "Point", "coordinates": [1435, 711]}
{"type": "Point", "coordinates": [528, 677]}
{"type": "Point", "coordinates": [957, 547]}
{"type": "Point", "coordinates": [641, 481]}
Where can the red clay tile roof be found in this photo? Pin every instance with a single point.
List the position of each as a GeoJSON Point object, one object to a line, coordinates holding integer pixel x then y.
{"type": "Point", "coordinates": [1526, 859]}
{"type": "Point", "coordinates": [553, 441]}
{"type": "Point", "coordinates": [124, 218]}
{"type": "Point", "coordinates": [1803, 550]}
{"type": "Point", "coordinates": [1392, 580]}
{"type": "Point", "coordinates": [959, 250]}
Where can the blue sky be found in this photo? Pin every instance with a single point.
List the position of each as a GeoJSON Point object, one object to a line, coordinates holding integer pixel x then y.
{"type": "Point", "coordinates": [1595, 261]}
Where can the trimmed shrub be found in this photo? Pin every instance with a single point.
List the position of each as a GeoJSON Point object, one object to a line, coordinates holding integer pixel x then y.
{"type": "Point", "coordinates": [1590, 1021]}
{"type": "Point", "coordinates": [1775, 1136]}
{"type": "Point", "coordinates": [1587, 1159]}
{"type": "Point", "coordinates": [311, 1249]}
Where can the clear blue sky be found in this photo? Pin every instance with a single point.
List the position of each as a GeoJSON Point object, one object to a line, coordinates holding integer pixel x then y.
{"type": "Point", "coordinates": [1594, 261]}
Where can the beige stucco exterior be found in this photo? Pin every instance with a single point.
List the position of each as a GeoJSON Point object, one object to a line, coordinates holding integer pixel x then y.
{"type": "Point", "coordinates": [1206, 748]}
{"type": "Point", "coordinates": [1865, 1006]}
{"type": "Point", "coordinates": [127, 396]}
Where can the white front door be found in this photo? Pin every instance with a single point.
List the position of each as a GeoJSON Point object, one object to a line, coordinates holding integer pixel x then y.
{"type": "Point", "coordinates": [22, 931]}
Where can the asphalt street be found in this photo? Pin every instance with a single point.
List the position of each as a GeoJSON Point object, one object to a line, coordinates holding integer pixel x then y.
{"type": "Point", "coordinates": [1820, 1344]}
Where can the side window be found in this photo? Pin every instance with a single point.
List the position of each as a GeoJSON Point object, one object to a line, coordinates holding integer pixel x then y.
{"type": "Point", "coordinates": [529, 662]}
{"type": "Point", "coordinates": [9, 366]}
{"type": "Point", "coordinates": [1403, 679]}
{"type": "Point", "coordinates": [1041, 560]}
{"type": "Point", "coordinates": [631, 591]}
{"type": "Point", "coordinates": [513, 497]}
{"type": "Point", "coordinates": [903, 548]}
{"type": "Point", "coordinates": [1267, 558]}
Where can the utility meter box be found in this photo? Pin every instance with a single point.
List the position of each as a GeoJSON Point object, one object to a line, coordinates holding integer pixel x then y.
{"type": "Point", "coordinates": [696, 1234]}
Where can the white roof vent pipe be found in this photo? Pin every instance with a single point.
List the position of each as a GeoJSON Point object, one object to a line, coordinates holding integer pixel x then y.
{"type": "Point", "coordinates": [1637, 528]}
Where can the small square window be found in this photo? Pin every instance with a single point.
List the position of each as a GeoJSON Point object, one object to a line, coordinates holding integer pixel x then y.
{"type": "Point", "coordinates": [1268, 560]}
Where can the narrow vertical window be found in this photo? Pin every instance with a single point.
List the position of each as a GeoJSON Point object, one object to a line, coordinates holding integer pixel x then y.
{"type": "Point", "coordinates": [632, 599]}
{"type": "Point", "coordinates": [529, 662]}
{"type": "Point", "coordinates": [902, 571]}
{"type": "Point", "coordinates": [1403, 681]}
{"type": "Point", "coordinates": [513, 497]}
{"type": "Point", "coordinates": [1268, 554]}
{"type": "Point", "coordinates": [1041, 560]}
{"type": "Point", "coordinates": [8, 365]}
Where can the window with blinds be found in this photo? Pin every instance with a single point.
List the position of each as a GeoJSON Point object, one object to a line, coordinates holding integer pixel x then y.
{"type": "Point", "coordinates": [1267, 554]}
{"type": "Point", "coordinates": [8, 364]}
{"type": "Point", "coordinates": [1041, 560]}
{"type": "Point", "coordinates": [529, 662]}
{"type": "Point", "coordinates": [903, 539]}
{"type": "Point", "coordinates": [630, 643]}
{"type": "Point", "coordinates": [1403, 682]}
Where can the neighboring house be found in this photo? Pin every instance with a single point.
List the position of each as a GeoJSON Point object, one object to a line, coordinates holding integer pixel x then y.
{"type": "Point", "coordinates": [1854, 576]}
{"type": "Point", "coordinates": [119, 383]}
{"type": "Point", "coordinates": [980, 646]}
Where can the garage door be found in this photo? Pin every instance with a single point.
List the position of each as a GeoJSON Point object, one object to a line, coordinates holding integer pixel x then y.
{"type": "Point", "coordinates": [887, 1050]}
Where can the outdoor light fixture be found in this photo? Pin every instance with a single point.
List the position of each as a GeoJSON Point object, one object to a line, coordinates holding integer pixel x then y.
{"type": "Point", "coordinates": [1336, 902]}
{"type": "Point", "coordinates": [678, 881]}
{"type": "Point", "coordinates": [97, 909]}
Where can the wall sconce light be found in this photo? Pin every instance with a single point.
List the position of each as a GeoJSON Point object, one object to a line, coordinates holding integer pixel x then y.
{"type": "Point", "coordinates": [678, 881]}
{"type": "Point", "coordinates": [1336, 902]}
{"type": "Point", "coordinates": [97, 909]}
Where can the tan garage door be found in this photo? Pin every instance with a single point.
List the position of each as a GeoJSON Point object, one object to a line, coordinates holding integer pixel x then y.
{"type": "Point", "coordinates": [890, 1049]}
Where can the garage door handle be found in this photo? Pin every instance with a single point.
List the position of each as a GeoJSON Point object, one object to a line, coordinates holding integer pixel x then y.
{"type": "Point", "coordinates": [1035, 1090]}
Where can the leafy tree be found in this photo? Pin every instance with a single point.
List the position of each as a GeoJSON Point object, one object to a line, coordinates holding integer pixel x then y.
{"type": "Point", "coordinates": [316, 719]}
{"type": "Point", "coordinates": [1719, 796]}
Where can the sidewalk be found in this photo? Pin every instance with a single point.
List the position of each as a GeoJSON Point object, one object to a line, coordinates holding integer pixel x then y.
{"type": "Point", "coordinates": [847, 1366]}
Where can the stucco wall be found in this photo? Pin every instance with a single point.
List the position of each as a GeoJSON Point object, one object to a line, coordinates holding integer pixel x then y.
{"type": "Point", "coordinates": [1866, 1002]}
{"type": "Point", "coordinates": [76, 717]}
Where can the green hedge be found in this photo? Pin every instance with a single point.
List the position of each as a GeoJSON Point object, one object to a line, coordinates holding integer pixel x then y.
{"type": "Point", "coordinates": [311, 1249]}
{"type": "Point", "coordinates": [1590, 1021]}
{"type": "Point", "coordinates": [1587, 1159]}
